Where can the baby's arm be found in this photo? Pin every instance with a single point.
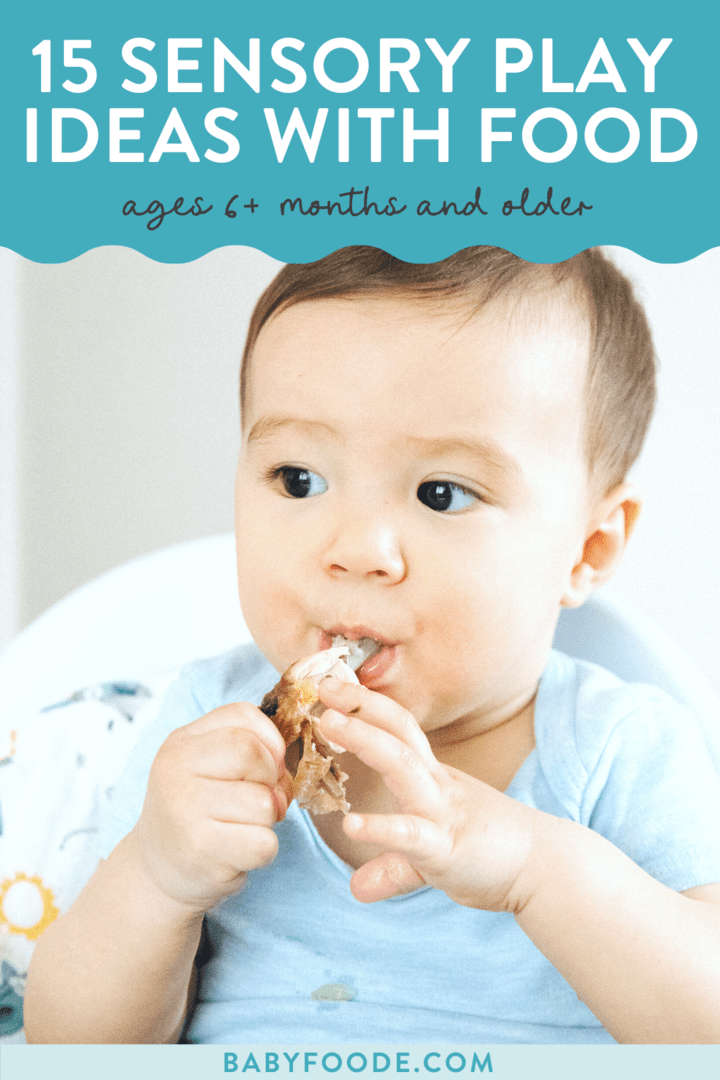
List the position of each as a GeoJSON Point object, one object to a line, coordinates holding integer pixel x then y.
{"type": "Point", "coordinates": [645, 959]}
{"type": "Point", "coordinates": [118, 967]}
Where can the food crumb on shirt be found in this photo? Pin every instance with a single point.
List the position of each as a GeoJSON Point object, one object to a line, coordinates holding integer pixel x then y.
{"type": "Point", "coordinates": [334, 992]}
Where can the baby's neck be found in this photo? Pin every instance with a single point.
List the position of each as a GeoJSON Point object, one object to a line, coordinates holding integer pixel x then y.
{"type": "Point", "coordinates": [493, 755]}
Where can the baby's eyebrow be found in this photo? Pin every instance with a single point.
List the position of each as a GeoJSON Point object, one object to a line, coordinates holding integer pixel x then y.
{"type": "Point", "coordinates": [266, 427]}
{"type": "Point", "coordinates": [487, 450]}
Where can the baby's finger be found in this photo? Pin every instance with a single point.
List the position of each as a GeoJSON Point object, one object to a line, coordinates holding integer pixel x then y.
{"type": "Point", "coordinates": [407, 775]}
{"type": "Point", "coordinates": [418, 837]}
{"type": "Point", "coordinates": [378, 710]}
{"type": "Point", "coordinates": [244, 803]}
{"type": "Point", "coordinates": [232, 753]}
{"type": "Point", "coordinates": [243, 715]}
{"type": "Point", "coordinates": [242, 847]}
{"type": "Point", "coordinates": [389, 875]}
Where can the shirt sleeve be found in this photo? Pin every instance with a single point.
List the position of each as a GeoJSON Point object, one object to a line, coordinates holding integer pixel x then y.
{"type": "Point", "coordinates": [180, 707]}
{"type": "Point", "coordinates": [241, 674]}
{"type": "Point", "coordinates": [653, 790]}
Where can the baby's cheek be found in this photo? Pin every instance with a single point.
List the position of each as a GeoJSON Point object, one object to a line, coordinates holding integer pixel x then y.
{"type": "Point", "coordinates": [272, 620]}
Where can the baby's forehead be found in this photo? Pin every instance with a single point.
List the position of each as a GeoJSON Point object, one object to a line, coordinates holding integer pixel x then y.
{"type": "Point", "coordinates": [458, 324]}
{"type": "Point", "coordinates": [525, 359]}
{"type": "Point", "coordinates": [535, 306]}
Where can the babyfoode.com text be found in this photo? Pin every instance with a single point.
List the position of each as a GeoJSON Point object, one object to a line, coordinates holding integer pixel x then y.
{"type": "Point", "coordinates": [404, 1061]}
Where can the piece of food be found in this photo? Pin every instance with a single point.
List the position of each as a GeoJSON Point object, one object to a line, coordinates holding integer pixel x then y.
{"type": "Point", "coordinates": [294, 706]}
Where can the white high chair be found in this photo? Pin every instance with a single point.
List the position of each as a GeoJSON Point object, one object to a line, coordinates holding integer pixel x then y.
{"type": "Point", "coordinates": [160, 611]}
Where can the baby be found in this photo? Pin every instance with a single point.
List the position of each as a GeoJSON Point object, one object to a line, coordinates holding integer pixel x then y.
{"type": "Point", "coordinates": [434, 457]}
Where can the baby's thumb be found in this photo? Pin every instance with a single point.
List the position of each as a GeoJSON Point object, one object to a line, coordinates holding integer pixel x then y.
{"type": "Point", "coordinates": [389, 875]}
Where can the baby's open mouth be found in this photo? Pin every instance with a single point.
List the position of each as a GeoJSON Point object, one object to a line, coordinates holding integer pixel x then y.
{"type": "Point", "coordinates": [358, 651]}
{"type": "Point", "coordinates": [371, 658]}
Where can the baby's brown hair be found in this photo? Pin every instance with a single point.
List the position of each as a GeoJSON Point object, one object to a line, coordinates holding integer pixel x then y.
{"type": "Point", "coordinates": [620, 388]}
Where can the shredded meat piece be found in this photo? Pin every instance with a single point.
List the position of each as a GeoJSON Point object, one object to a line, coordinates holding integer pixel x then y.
{"type": "Point", "coordinates": [294, 705]}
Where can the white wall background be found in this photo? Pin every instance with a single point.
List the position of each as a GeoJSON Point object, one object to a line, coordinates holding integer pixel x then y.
{"type": "Point", "coordinates": [10, 569]}
{"type": "Point", "coordinates": [127, 425]}
{"type": "Point", "coordinates": [672, 567]}
{"type": "Point", "coordinates": [118, 425]}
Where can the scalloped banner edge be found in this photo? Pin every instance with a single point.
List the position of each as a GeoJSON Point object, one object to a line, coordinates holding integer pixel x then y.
{"type": "Point", "coordinates": [656, 253]}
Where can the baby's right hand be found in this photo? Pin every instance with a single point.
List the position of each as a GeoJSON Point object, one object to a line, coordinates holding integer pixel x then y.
{"type": "Point", "coordinates": [216, 788]}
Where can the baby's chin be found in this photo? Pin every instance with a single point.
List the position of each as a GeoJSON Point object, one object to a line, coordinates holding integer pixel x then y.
{"type": "Point", "coordinates": [430, 710]}
{"type": "Point", "coordinates": [439, 707]}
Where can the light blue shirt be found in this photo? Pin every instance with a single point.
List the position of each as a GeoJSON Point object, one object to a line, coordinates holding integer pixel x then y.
{"type": "Point", "coordinates": [294, 958]}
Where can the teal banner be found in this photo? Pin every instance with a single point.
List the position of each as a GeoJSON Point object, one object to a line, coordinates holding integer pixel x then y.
{"type": "Point", "coordinates": [418, 127]}
{"type": "Point", "coordinates": [346, 1062]}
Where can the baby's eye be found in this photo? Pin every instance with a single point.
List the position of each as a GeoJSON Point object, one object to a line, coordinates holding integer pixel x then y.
{"type": "Point", "coordinates": [300, 483]}
{"type": "Point", "coordinates": [442, 495]}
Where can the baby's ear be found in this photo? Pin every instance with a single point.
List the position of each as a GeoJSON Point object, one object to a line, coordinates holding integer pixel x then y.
{"type": "Point", "coordinates": [609, 528]}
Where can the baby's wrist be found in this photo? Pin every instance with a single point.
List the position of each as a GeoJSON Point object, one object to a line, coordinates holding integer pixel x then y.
{"type": "Point", "coordinates": [164, 890]}
{"type": "Point", "coordinates": [561, 864]}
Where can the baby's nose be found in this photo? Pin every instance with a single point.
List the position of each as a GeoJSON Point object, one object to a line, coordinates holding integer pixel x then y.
{"type": "Point", "coordinates": [366, 549]}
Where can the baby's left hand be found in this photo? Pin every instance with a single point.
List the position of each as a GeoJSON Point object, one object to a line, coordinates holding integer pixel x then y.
{"type": "Point", "coordinates": [451, 831]}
